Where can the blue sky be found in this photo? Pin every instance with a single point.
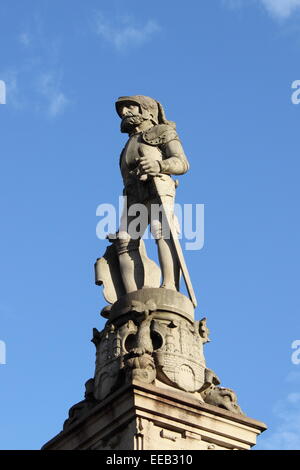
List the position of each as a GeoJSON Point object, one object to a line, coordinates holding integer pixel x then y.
{"type": "Point", "coordinates": [223, 70]}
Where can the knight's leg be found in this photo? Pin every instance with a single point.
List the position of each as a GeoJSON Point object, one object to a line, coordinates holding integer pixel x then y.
{"type": "Point", "coordinates": [166, 252]}
{"type": "Point", "coordinates": [131, 266]}
{"type": "Point", "coordinates": [169, 264]}
{"type": "Point", "coordinates": [128, 242]}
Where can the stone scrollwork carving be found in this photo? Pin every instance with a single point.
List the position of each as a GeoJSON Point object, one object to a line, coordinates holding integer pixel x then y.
{"type": "Point", "coordinates": [81, 408]}
{"type": "Point", "coordinates": [145, 344]}
{"type": "Point", "coordinates": [223, 398]}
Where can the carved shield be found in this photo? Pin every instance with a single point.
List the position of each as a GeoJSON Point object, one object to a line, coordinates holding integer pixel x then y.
{"type": "Point", "coordinates": [179, 358]}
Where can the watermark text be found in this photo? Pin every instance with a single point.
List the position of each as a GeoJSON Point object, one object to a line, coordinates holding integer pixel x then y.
{"type": "Point", "coordinates": [296, 94]}
{"type": "Point", "coordinates": [2, 352]}
{"type": "Point", "coordinates": [185, 221]}
{"type": "Point", "coordinates": [2, 92]}
{"type": "Point", "coordinates": [296, 354]}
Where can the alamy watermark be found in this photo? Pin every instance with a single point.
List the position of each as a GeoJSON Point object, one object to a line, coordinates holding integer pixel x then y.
{"type": "Point", "coordinates": [295, 358]}
{"type": "Point", "coordinates": [2, 92]}
{"type": "Point", "coordinates": [296, 94]}
{"type": "Point", "coordinates": [2, 352]}
{"type": "Point", "coordinates": [186, 220]}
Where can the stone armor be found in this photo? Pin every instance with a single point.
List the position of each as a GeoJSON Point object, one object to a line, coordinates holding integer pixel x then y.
{"type": "Point", "coordinates": [160, 143]}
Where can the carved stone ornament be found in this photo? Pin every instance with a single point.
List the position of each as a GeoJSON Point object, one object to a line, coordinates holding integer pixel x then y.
{"type": "Point", "coordinates": [144, 343]}
{"type": "Point", "coordinates": [108, 274]}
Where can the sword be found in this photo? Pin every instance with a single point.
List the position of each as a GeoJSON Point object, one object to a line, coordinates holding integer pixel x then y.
{"type": "Point", "coordinates": [177, 247]}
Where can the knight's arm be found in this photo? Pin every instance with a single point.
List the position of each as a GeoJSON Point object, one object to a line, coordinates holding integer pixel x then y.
{"type": "Point", "coordinates": [174, 159]}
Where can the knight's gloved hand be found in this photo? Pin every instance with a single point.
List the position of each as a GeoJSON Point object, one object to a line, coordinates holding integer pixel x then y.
{"type": "Point", "coordinates": [138, 173]}
{"type": "Point", "coordinates": [149, 166]}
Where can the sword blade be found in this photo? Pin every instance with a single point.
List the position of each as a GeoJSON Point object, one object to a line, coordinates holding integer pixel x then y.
{"type": "Point", "coordinates": [178, 249]}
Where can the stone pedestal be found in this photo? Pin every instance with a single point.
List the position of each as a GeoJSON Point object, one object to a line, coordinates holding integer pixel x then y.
{"type": "Point", "coordinates": [142, 416]}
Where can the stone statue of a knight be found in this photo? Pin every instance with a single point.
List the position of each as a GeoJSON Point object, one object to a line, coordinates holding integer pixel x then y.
{"type": "Point", "coordinates": [151, 388]}
{"type": "Point", "coordinates": [152, 151]}
{"type": "Point", "coordinates": [152, 154]}
{"type": "Point", "coordinates": [150, 335]}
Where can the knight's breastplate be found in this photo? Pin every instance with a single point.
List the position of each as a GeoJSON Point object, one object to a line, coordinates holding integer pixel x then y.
{"type": "Point", "coordinates": [135, 188]}
{"type": "Point", "coordinates": [136, 149]}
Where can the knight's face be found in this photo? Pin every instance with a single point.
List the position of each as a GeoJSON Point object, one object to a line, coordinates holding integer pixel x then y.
{"type": "Point", "coordinates": [130, 110]}
{"type": "Point", "coordinates": [131, 116]}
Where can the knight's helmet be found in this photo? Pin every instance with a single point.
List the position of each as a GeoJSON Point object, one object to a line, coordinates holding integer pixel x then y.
{"type": "Point", "coordinates": [146, 104]}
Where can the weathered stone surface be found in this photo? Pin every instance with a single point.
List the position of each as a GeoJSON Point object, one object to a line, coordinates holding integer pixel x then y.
{"type": "Point", "coordinates": [164, 299]}
{"type": "Point", "coordinates": [145, 417]}
{"type": "Point", "coordinates": [150, 335]}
